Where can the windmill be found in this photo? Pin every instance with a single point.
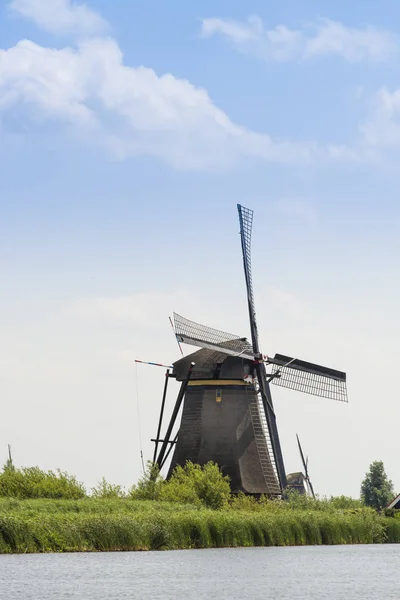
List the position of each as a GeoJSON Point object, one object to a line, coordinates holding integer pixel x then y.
{"type": "Point", "coordinates": [228, 416]}
{"type": "Point", "coordinates": [298, 481]}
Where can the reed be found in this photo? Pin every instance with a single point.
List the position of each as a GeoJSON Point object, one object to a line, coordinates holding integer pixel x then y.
{"type": "Point", "coordinates": [122, 524]}
{"type": "Point", "coordinates": [51, 512]}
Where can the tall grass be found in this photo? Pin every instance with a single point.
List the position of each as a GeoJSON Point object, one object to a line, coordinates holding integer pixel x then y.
{"type": "Point", "coordinates": [118, 525]}
{"type": "Point", "coordinates": [50, 512]}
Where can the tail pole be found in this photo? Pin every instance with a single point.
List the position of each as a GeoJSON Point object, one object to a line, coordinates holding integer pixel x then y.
{"type": "Point", "coordinates": [154, 364]}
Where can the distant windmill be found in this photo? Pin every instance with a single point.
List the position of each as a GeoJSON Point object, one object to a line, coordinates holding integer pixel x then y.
{"type": "Point", "coordinates": [305, 465]}
{"type": "Point", "coordinates": [9, 463]}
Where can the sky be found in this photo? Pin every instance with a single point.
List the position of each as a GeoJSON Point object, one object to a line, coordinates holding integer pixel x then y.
{"type": "Point", "coordinates": [129, 131]}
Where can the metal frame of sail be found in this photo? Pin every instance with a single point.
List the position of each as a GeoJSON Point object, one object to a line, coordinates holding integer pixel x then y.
{"type": "Point", "coordinates": [246, 225]}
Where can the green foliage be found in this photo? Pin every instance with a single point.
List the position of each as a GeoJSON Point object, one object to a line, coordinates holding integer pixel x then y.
{"type": "Point", "coordinates": [49, 512]}
{"type": "Point", "coordinates": [294, 501]}
{"type": "Point", "coordinates": [345, 502]}
{"type": "Point", "coordinates": [32, 482]}
{"type": "Point", "coordinates": [241, 501]}
{"type": "Point", "coordinates": [106, 490]}
{"type": "Point", "coordinates": [376, 488]}
{"type": "Point", "coordinates": [121, 524]}
{"type": "Point", "coordinates": [202, 485]}
{"type": "Point", "coordinates": [149, 485]}
{"type": "Point", "coordinates": [9, 466]}
{"type": "Point", "coordinates": [191, 484]}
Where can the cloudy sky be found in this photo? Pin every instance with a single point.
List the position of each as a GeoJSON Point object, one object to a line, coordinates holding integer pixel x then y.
{"type": "Point", "coordinates": [128, 133]}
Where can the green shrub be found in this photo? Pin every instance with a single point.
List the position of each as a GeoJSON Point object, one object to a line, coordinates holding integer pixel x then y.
{"type": "Point", "coordinates": [197, 484]}
{"type": "Point", "coordinates": [105, 490]}
{"type": "Point", "coordinates": [242, 502]}
{"type": "Point", "coordinates": [345, 502]}
{"type": "Point", "coordinates": [32, 482]}
{"type": "Point", "coordinates": [192, 484]}
{"type": "Point", "coordinates": [149, 485]}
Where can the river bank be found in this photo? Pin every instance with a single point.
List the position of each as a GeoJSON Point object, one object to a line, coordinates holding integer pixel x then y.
{"type": "Point", "coordinates": [89, 525]}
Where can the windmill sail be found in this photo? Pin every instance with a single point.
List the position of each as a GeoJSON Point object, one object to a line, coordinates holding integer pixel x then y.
{"type": "Point", "coordinates": [189, 332]}
{"type": "Point", "coordinates": [246, 225]}
{"type": "Point", "coordinates": [309, 378]}
{"type": "Point", "coordinates": [271, 431]}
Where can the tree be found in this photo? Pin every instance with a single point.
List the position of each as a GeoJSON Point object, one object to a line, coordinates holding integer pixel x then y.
{"type": "Point", "coordinates": [376, 488]}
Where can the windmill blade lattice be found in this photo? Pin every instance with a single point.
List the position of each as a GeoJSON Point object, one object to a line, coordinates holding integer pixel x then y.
{"type": "Point", "coordinates": [309, 378]}
{"type": "Point", "coordinates": [190, 332]}
{"type": "Point", "coordinates": [246, 226]}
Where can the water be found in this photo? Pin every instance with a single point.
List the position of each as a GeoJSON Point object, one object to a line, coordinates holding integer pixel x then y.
{"type": "Point", "coordinates": [317, 573]}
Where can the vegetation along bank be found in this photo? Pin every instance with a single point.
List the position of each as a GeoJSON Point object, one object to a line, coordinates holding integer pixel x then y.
{"type": "Point", "coordinates": [52, 512]}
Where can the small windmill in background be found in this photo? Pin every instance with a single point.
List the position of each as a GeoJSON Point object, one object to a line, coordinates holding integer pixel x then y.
{"type": "Point", "coordinates": [9, 463]}
{"type": "Point", "coordinates": [307, 480]}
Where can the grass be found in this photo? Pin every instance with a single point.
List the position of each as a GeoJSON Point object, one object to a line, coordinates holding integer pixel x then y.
{"type": "Point", "coordinates": [43, 511]}
{"type": "Point", "coordinates": [122, 524]}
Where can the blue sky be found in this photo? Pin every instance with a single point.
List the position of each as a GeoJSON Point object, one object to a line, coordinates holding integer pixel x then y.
{"type": "Point", "coordinates": [128, 133]}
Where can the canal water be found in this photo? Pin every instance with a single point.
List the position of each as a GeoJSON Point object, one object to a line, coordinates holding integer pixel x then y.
{"type": "Point", "coordinates": [314, 572]}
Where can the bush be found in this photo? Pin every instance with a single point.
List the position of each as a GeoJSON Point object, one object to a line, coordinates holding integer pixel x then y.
{"type": "Point", "coordinates": [241, 501]}
{"type": "Point", "coordinates": [203, 485]}
{"type": "Point", "coordinates": [105, 490]}
{"type": "Point", "coordinates": [345, 502]}
{"type": "Point", "coordinates": [32, 482]}
{"type": "Point", "coordinates": [149, 486]}
{"type": "Point", "coordinates": [191, 484]}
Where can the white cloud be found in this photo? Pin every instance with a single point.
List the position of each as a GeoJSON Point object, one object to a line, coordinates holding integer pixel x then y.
{"type": "Point", "coordinates": [382, 130]}
{"type": "Point", "coordinates": [49, 80]}
{"type": "Point", "coordinates": [88, 92]}
{"type": "Point", "coordinates": [284, 44]}
{"type": "Point", "coordinates": [60, 16]}
{"type": "Point", "coordinates": [353, 44]}
{"type": "Point", "coordinates": [132, 110]}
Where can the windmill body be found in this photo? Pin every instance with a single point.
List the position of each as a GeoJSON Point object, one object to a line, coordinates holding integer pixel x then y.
{"type": "Point", "coordinates": [228, 416]}
{"type": "Point", "coordinates": [222, 422]}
